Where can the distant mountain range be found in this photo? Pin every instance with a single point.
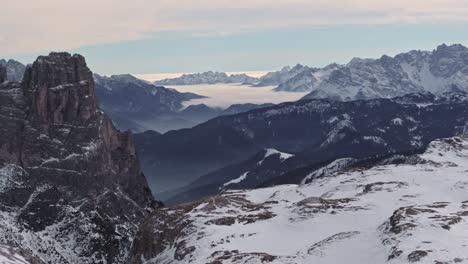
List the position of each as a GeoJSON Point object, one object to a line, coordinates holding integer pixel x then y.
{"type": "Point", "coordinates": [442, 70]}
{"type": "Point", "coordinates": [138, 105]}
{"type": "Point", "coordinates": [208, 78]}
{"type": "Point", "coordinates": [313, 130]}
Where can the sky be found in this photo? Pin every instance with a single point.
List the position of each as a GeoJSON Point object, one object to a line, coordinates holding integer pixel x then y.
{"type": "Point", "coordinates": [161, 37]}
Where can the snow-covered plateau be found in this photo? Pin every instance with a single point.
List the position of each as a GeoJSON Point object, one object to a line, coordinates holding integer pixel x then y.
{"type": "Point", "coordinates": [411, 212]}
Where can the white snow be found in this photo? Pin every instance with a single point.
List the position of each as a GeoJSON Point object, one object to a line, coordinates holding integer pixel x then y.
{"type": "Point", "coordinates": [237, 180]}
{"type": "Point", "coordinates": [9, 255]}
{"type": "Point", "coordinates": [282, 155]}
{"type": "Point", "coordinates": [343, 217]}
{"type": "Point", "coordinates": [8, 176]}
{"type": "Point", "coordinates": [397, 121]}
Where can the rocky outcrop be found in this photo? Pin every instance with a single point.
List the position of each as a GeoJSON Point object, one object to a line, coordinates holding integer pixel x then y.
{"type": "Point", "coordinates": [71, 187]}
{"type": "Point", "coordinates": [15, 70]}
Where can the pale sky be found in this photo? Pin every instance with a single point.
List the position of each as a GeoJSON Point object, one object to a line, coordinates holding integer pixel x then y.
{"type": "Point", "coordinates": [167, 36]}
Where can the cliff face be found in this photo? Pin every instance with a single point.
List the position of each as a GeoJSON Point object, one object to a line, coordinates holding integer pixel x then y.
{"type": "Point", "coordinates": [71, 187]}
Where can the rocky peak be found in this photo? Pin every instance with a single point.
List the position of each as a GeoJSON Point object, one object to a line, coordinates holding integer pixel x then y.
{"type": "Point", "coordinates": [60, 89]}
{"type": "Point", "coordinates": [15, 70]}
{"type": "Point", "coordinates": [71, 181]}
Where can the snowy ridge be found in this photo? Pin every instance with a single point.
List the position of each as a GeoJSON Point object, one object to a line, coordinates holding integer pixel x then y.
{"type": "Point", "coordinates": [237, 180]}
{"type": "Point", "coordinates": [269, 152]}
{"type": "Point", "coordinates": [208, 77]}
{"type": "Point", "coordinates": [439, 71]}
{"type": "Point", "coordinates": [387, 214]}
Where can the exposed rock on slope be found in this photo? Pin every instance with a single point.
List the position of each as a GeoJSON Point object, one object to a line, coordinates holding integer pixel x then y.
{"type": "Point", "coordinates": [405, 213]}
{"type": "Point", "coordinates": [71, 188]}
{"type": "Point", "coordinates": [282, 76]}
{"type": "Point", "coordinates": [15, 70]}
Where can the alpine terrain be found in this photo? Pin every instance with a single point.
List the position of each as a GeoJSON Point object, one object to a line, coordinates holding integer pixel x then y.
{"type": "Point", "coordinates": [71, 187]}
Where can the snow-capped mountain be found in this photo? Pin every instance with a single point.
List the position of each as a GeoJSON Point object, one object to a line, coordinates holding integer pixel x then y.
{"type": "Point", "coordinates": [315, 131]}
{"type": "Point", "coordinates": [307, 79]}
{"type": "Point", "coordinates": [14, 69]}
{"type": "Point", "coordinates": [283, 75]}
{"type": "Point", "coordinates": [208, 78]}
{"type": "Point", "coordinates": [409, 212]}
{"type": "Point", "coordinates": [442, 70]}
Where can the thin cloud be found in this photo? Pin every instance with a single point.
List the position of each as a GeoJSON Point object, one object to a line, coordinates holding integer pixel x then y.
{"type": "Point", "coordinates": [40, 25]}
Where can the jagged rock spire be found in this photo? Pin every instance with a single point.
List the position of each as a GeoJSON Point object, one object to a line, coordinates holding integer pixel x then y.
{"type": "Point", "coordinates": [60, 89]}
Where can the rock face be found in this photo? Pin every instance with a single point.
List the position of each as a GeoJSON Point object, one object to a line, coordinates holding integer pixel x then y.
{"type": "Point", "coordinates": [15, 70]}
{"type": "Point", "coordinates": [71, 187]}
{"type": "Point", "coordinates": [413, 211]}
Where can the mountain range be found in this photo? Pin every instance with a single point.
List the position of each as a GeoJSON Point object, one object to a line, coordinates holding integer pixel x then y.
{"type": "Point", "coordinates": [320, 180]}
{"type": "Point", "coordinates": [441, 70]}
{"type": "Point", "coordinates": [314, 131]}
{"type": "Point", "coordinates": [208, 78]}
{"type": "Point", "coordinates": [138, 105]}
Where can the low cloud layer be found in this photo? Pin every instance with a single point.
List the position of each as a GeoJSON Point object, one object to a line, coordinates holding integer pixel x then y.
{"type": "Point", "coordinates": [39, 25]}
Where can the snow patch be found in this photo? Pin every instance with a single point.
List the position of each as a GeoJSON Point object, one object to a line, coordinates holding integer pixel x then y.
{"type": "Point", "coordinates": [237, 180]}
{"type": "Point", "coordinates": [269, 152]}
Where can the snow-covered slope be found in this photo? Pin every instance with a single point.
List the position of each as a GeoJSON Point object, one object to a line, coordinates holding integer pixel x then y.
{"type": "Point", "coordinates": [10, 255]}
{"type": "Point", "coordinates": [442, 70]}
{"type": "Point", "coordinates": [386, 214]}
{"type": "Point", "coordinates": [283, 75]}
{"type": "Point", "coordinates": [307, 79]}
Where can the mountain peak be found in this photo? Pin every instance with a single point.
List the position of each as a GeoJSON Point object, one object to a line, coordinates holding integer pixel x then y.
{"type": "Point", "coordinates": [61, 89]}
{"type": "Point", "coordinates": [453, 47]}
{"type": "Point", "coordinates": [68, 179]}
